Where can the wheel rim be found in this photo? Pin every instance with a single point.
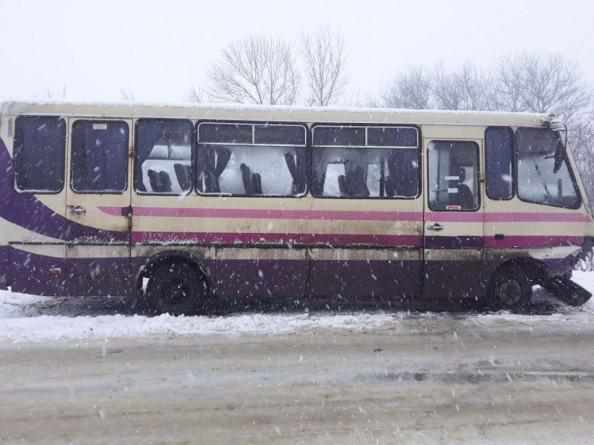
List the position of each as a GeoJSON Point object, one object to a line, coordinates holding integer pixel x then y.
{"type": "Point", "coordinates": [509, 292]}
{"type": "Point", "coordinates": [174, 292]}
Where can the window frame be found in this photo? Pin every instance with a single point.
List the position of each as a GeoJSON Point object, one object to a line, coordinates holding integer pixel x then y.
{"type": "Point", "coordinates": [514, 188]}
{"type": "Point", "coordinates": [478, 176]}
{"type": "Point", "coordinates": [570, 170]}
{"type": "Point", "coordinates": [64, 160]}
{"type": "Point", "coordinates": [71, 168]}
{"type": "Point", "coordinates": [366, 127]}
{"type": "Point", "coordinates": [418, 149]}
{"type": "Point", "coordinates": [193, 146]}
{"type": "Point", "coordinates": [306, 147]}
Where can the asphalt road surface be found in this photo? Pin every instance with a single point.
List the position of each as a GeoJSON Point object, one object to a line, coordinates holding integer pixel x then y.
{"type": "Point", "coordinates": [419, 380]}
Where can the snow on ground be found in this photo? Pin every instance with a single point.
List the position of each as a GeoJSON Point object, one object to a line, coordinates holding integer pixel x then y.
{"type": "Point", "coordinates": [20, 323]}
{"type": "Point", "coordinates": [585, 279]}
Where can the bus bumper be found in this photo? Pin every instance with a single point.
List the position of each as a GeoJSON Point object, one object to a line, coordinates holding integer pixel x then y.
{"type": "Point", "coordinates": [557, 267]}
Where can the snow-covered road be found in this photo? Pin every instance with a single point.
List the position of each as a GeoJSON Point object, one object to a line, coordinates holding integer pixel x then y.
{"type": "Point", "coordinates": [358, 378]}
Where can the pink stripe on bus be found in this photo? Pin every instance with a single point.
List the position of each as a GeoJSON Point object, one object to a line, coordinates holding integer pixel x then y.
{"type": "Point", "coordinates": [347, 215]}
{"type": "Point", "coordinates": [455, 216]}
{"type": "Point", "coordinates": [185, 212]}
{"type": "Point", "coordinates": [113, 211]}
{"type": "Point", "coordinates": [537, 217]}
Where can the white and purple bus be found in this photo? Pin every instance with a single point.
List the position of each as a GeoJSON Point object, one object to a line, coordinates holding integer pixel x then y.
{"type": "Point", "coordinates": [179, 207]}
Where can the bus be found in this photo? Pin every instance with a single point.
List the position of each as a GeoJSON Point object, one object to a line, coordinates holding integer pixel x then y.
{"type": "Point", "coordinates": [179, 207]}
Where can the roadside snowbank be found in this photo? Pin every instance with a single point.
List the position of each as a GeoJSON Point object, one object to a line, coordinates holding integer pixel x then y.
{"type": "Point", "coordinates": [13, 305]}
{"type": "Point", "coordinates": [19, 324]}
{"type": "Point", "coordinates": [585, 279]}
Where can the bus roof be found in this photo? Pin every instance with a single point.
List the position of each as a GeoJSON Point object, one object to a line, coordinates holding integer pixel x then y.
{"type": "Point", "coordinates": [277, 113]}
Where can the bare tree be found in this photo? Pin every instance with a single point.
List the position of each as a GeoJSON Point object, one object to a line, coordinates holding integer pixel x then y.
{"type": "Point", "coordinates": [467, 89]}
{"type": "Point", "coordinates": [546, 84]}
{"type": "Point", "coordinates": [524, 83]}
{"type": "Point", "coordinates": [255, 70]}
{"type": "Point", "coordinates": [542, 84]}
{"type": "Point", "coordinates": [411, 89]}
{"type": "Point", "coordinates": [324, 60]}
{"type": "Point", "coordinates": [581, 141]}
{"type": "Point", "coordinates": [508, 86]}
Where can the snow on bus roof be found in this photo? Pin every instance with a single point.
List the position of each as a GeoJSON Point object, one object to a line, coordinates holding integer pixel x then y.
{"type": "Point", "coordinates": [275, 112]}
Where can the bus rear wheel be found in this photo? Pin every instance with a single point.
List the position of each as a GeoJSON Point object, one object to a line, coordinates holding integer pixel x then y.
{"type": "Point", "coordinates": [176, 288]}
{"type": "Point", "coordinates": [511, 288]}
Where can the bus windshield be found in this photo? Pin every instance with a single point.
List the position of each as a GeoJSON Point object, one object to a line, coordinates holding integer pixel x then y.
{"type": "Point", "coordinates": [544, 174]}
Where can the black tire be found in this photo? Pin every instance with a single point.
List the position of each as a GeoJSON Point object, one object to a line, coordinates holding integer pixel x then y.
{"type": "Point", "coordinates": [511, 288]}
{"type": "Point", "coordinates": [176, 288]}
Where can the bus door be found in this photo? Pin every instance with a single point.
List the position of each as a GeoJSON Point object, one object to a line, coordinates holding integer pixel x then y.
{"type": "Point", "coordinates": [453, 221]}
{"type": "Point", "coordinates": [98, 202]}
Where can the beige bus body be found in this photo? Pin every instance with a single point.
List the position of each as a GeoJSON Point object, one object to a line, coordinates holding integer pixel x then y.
{"type": "Point", "coordinates": [307, 249]}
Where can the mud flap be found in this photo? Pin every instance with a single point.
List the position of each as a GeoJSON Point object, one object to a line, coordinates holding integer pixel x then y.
{"type": "Point", "coordinates": [567, 291]}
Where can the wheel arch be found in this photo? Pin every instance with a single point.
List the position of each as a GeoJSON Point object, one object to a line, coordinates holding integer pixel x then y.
{"type": "Point", "coordinates": [168, 257]}
{"type": "Point", "coordinates": [534, 269]}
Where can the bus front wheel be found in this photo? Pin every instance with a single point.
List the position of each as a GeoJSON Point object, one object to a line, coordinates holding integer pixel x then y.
{"type": "Point", "coordinates": [511, 288]}
{"type": "Point", "coordinates": [176, 288]}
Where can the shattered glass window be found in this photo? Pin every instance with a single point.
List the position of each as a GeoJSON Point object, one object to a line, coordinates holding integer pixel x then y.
{"type": "Point", "coordinates": [365, 173]}
{"type": "Point", "coordinates": [163, 156]}
{"type": "Point", "coordinates": [99, 156]}
{"type": "Point", "coordinates": [544, 174]}
{"type": "Point", "coordinates": [273, 164]}
{"type": "Point", "coordinates": [39, 153]}
{"type": "Point", "coordinates": [355, 161]}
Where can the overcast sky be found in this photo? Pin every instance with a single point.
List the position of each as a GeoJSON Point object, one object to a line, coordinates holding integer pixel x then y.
{"type": "Point", "coordinates": [159, 50]}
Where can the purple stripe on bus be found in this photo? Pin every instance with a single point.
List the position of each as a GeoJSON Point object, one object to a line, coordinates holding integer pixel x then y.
{"type": "Point", "coordinates": [509, 242]}
{"type": "Point", "coordinates": [280, 238]}
{"type": "Point", "coordinates": [25, 210]}
{"type": "Point", "coordinates": [454, 242]}
{"type": "Point", "coordinates": [59, 276]}
{"type": "Point", "coordinates": [346, 215]}
{"type": "Point", "coordinates": [533, 242]}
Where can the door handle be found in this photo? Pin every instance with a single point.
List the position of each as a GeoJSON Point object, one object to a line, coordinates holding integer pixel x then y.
{"type": "Point", "coordinates": [77, 210]}
{"type": "Point", "coordinates": [436, 227]}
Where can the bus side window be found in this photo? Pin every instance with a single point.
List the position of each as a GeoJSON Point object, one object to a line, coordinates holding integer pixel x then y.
{"type": "Point", "coordinates": [366, 172]}
{"type": "Point", "coordinates": [249, 159]}
{"type": "Point", "coordinates": [163, 156]}
{"type": "Point", "coordinates": [375, 161]}
{"type": "Point", "coordinates": [499, 154]}
{"type": "Point", "coordinates": [99, 156]}
{"type": "Point", "coordinates": [453, 176]}
{"type": "Point", "coordinates": [39, 153]}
